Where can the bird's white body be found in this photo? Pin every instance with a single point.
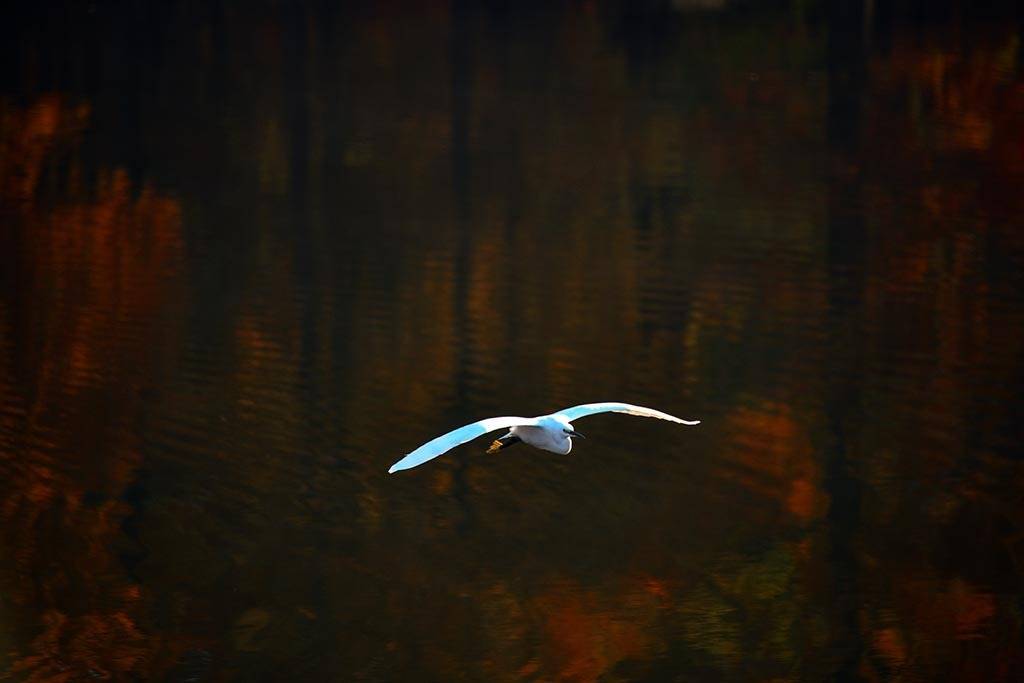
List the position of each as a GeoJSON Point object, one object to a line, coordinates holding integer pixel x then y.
{"type": "Point", "coordinates": [547, 432]}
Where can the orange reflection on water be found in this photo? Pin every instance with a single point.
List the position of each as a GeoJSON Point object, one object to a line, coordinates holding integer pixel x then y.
{"type": "Point", "coordinates": [772, 456]}
{"type": "Point", "coordinates": [92, 262]}
{"type": "Point", "coordinates": [28, 134]}
{"type": "Point", "coordinates": [421, 308]}
{"type": "Point", "coordinates": [105, 262]}
{"type": "Point", "coordinates": [585, 642]}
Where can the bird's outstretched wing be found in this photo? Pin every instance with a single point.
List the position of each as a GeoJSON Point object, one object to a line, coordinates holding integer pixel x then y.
{"type": "Point", "coordinates": [576, 412]}
{"type": "Point", "coordinates": [445, 443]}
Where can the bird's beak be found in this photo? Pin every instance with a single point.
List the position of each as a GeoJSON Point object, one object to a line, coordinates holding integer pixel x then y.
{"type": "Point", "coordinates": [576, 434]}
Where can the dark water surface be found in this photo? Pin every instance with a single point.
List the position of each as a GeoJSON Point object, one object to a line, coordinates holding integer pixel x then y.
{"type": "Point", "coordinates": [252, 253]}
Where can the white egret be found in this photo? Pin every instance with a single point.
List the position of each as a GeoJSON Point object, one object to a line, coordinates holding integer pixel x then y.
{"type": "Point", "coordinates": [548, 432]}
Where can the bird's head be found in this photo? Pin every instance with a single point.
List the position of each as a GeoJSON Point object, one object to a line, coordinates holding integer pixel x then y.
{"type": "Point", "coordinates": [560, 422]}
{"type": "Point", "coordinates": [572, 432]}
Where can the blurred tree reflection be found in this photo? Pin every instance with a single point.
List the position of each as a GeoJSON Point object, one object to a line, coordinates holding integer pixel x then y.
{"type": "Point", "coordinates": [77, 269]}
{"type": "Point", "coordinates": [803, 227]}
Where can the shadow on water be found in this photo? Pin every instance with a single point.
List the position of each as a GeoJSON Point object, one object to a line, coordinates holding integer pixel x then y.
{"type": "Point", "coordinates": [253, 253]}
{"type": "Point", "coordinates": [845, 47]}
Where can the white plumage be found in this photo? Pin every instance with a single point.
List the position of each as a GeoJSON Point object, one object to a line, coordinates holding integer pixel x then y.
{"type": "Point", "coordinates": [548, 432]}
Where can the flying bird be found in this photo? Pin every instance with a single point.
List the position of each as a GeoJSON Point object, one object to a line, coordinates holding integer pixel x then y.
{"type": "Point", "coordinates": [552, 432]}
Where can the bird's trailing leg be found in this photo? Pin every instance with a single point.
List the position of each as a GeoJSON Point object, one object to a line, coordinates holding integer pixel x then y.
{"type": "Point", "coordinates": [503, 442]}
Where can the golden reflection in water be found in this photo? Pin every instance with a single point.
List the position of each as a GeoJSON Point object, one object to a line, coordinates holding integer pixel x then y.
{"type": "Point", "coordinates": [30, 133]}
{"type": "Point", "coordinates": [723, 568]}
{"type": "Point", "coordinates": [938, 332]}
{"type": "Point", "coordinates": [88, 264]}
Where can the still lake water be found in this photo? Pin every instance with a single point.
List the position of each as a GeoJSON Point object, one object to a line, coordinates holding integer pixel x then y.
{"type": "Point", "coordinates": [251, 254]}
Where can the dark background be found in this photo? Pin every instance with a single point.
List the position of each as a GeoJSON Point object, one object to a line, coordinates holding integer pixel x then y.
{"type": "Point", "coordinates": [251, 253]}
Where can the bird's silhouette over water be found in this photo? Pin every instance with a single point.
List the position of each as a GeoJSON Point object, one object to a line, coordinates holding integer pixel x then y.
{"type": "Point", "coordinates": [552, 432]}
